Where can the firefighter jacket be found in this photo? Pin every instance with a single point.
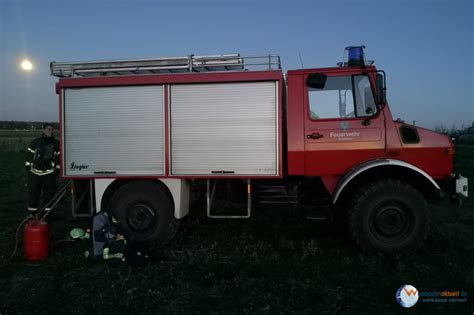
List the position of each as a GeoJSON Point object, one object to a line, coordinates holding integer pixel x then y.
{"type": "Point", "coordinates": [42, 156]}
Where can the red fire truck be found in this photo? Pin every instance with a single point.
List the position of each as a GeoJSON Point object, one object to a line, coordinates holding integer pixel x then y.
{"type": "Point", "coordinates": [142, 138]}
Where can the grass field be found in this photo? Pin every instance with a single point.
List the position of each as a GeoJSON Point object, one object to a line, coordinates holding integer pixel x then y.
{"type": "Point", "coordinates": [275, 262]}
{"type": "Point", "coordinates": [16, 140]}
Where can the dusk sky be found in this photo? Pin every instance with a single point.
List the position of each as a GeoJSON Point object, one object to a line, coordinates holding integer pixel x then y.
{"type": "Point", "coordinates": [425, 46]}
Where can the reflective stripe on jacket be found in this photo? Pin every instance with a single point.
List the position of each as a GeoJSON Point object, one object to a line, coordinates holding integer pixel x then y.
{"type": "Point", "coordinates": [42, 156]}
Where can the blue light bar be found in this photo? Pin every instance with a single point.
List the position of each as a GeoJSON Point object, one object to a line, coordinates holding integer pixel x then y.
{"type": "Point", "coordinates": [356, 56]}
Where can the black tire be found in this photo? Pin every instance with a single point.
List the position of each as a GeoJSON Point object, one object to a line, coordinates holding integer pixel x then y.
{"type": "Point", "coordinates": [388, 216]}
{"type": "Point", "coordinates": [145, 211]}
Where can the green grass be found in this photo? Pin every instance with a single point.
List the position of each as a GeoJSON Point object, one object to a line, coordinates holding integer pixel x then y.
{"type": "Point", "coordinates": [16, 140]}
{"type": "Point", "coordinates": [275, 262]}
{"type": "Point", "coordinates": [9, 133]}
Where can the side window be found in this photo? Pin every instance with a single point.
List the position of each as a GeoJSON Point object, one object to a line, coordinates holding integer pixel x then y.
{"type": "Point", "coordinates": [364, 97]}
{"type": "Point", "coordinates": [342, 97]}
{"type": "Point", "coordinates": [335, 100]}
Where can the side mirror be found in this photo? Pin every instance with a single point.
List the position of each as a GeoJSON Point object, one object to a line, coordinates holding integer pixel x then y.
{"type": "Point", "coordinates": [316, 80]}
{"type": "Point", "coordinates": [381, 88]}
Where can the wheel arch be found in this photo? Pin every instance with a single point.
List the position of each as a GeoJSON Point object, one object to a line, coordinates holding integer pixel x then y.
{"type": "Point", "coordinates": [383, 169]}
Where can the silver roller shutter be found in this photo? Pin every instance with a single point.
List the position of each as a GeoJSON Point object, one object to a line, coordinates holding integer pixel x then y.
{"type": "Point", "coordinates": [113, 131]}
{"type": "Point", "coordinates": [224, 129]}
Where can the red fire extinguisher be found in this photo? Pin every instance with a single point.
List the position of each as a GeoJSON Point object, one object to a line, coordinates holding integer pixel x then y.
{"type": "Point", "coordinates": [36, 240]}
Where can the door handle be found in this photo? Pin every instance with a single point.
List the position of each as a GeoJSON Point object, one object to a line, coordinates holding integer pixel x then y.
{"type": "Point", "coordinates": [315, 135]}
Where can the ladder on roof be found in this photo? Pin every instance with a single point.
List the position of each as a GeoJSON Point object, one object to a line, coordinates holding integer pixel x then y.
{"type": "Point", "coordinates": [191, 63]}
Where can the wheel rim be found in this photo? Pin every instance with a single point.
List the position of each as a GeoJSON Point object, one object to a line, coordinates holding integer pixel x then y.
{"type": "Point", "coordinates": [141, 217]}
{"type": "Point", "coordinates": [392, 221]}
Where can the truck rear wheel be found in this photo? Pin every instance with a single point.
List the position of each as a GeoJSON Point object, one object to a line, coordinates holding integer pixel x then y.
{"type": "Point", "coordinates": [145, 212]}
{"type": "Point", "coordinates": [388, 216]}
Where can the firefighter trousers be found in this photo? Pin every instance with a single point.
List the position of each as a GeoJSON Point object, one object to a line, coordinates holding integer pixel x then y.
{"type": "Point", "coordinates": [37, 184]}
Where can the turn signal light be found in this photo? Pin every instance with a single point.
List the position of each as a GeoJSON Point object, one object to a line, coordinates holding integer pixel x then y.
{"type": "Point", "coordinates": [449, 151]}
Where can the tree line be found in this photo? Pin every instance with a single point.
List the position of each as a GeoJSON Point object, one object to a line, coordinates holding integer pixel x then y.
{"type": "Point", "coordinates": [463, 135]}
{"type": "Point", "coordinates": [25, 125]}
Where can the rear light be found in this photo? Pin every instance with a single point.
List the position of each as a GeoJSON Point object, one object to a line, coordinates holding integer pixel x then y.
{"type": "Point", "coordinates": [449, 151]}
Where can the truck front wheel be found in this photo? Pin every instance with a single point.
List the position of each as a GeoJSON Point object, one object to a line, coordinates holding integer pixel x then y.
{"type": "Point", "coordinates": [145, 212]}
{"type": "Point", "coordinates": [388, 216]}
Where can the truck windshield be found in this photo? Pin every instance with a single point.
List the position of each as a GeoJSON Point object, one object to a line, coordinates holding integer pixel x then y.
{"type": "Point", "coordinates": [342, 97]}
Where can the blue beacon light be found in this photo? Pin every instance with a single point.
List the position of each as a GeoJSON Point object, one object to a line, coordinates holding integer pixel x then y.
{"type": "Point", "coordinates": [355, 56]}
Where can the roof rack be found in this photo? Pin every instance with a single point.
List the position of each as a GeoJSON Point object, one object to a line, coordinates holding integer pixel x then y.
{"type": "Point", "coordinates": [191, 63]}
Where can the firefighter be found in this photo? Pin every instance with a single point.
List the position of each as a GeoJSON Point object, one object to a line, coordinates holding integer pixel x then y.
{"type": "Point", "coordinates": [42, 166]}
